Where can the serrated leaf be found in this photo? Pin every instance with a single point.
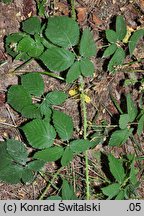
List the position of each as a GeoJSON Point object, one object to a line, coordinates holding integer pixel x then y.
{"type": "Point", "coordinates": [57, 59]}
{"type": "Point", "coordinates": [121, 195]}
{"type": "Point", "coordinates": [36, 49]}
{"type": "Point", "coordinates": [36, 165]}
{"type": "Point", "coordinates": [109, 50]}
{"type": "Point", "coordinates": [111, 36]}
{"type": "Point", "coordinates": [25, 44]}
{"type": "Point", "coordinates": [27, 175]}
{"type": "Point", "coordinates": [86, 67]}
{"type": "Point", "coordinates": [32, 25]}
{"type": "Point", "coordinates": [121, 28]}
{"type": "Point", "coordinates": [55, 98]}
{"type": "Point", "coordinates": [67, 156]}
{"type": "Point", "coordinates": [67, 191]}
{"type": "Point", "coordinates": [111, 190]}
{"type": "Point", "coordinates": [18, 97]}
{"type": "Point", "coordinates": [62, 31]}
{"type": "Point", "coordinates": [17, 151]}
{"type": "Point", "coordinates": [119, 137]}
{"type": "Point", "coordinates": [134, 40]}
{"type": "Point", "coordinates": [131, 108]}
{"type": "Point", "coordinates": [11, 43]}
{"type": "Point", "coordinates": [73, 72]}
{"type": "Point", "coordinates": [140, 125]}
{"type": "Point", "coordinates": [117, 59]}
{"type": "Point", "coordinates": [79, 146]}
{"type": "Point", "coordinates": [31, 111]}
{"type": "Point", "coordinates": [39, 133]}
{"type": "Point", "coordinates": [116, 168]}
{"type": "Point", "coordinates": [50, 154]}
{"type": "Point", "coordinates": [45, 110]}
{"type": "Point", "coordinates": [133, 173]}
{"type": "Point", "coordinates": [123, 121]}
{"type": "Point", "coordinates": [87, 44]}
{"type": "Point", "coordinates": [33, 83]}
{"type": "Point", "coordinates": [63, 125]}
{"type": "Point", "coordinates": [22, 56]}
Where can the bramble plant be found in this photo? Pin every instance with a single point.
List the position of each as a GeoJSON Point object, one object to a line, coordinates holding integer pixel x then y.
{"type": "Point", "coordinates": [60, 46]}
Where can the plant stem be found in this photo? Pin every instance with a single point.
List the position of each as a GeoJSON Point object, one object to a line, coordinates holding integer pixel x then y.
{"type": "Point", "coordinates": [82, 95]}
{"type": "Point", "coordinates": [22, 65]}
{"type": "Point", "coordinates": [73, 13]}
{"type": "Point", "coordinates": [49, 184]}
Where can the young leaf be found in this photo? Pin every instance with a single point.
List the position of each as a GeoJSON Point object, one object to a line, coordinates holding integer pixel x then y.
{"type": "Point", "coordinates": [18, 97]}
{"type": "Point", "coordinates": [62, 31]}
{"type": "Point", "coordinates": [36, 165]}
{"type": "Point", "coordinates": [33, 83]}
{"type": "Point", "coordinates": [63, 125]}
{"type": "Point", "coordinates": [57, 59]}
{"type": "Point", "coordinates": [116, 168]}
{"type": "Point", "coordinates": [17, 151]}
{"type": "Point", "coordinates": [109, 50]}
{"type": "Point", "coordinates": [123, 121]}
{"type": "Point", "coordinates": [121, 195]}
{"type": "Point", "coordinates": [131, 108]}
{"type": "Point", "coordinates": [67, 191]}
{"type": "Point", "coordinates": [73, 72]}
{"type": "Point", "coordinates": [50, 154]}
{"type": "Point", "coordinates": [111, 190]}
{"type": "Point", "coordinates": [87, 67]}
{"type": "Point", "coordinates": [32, 25]}
{"type": "Point", "coordinates": [121, 28]}
{"type": "Point", "coordinates": [140, 125]}
{"type": "Point", "coordinates": [111, 36]}
{"type": "Point", "coordinates": [119, 137]}
{"type": "Point", "coordinates": [79, 146]}
{"type": "Point", "coordinates": [39, 133]}
{"type": "Point", "coordinates": [87, 44]}
{"type": "Point", "coordinates": [67, 156]}
{"type": "Point", "coordinates": [134, 40]}
{"type": "Point", "coordinates": [117, 59]}
{"type": "Point", "coordinates": [55, 98]}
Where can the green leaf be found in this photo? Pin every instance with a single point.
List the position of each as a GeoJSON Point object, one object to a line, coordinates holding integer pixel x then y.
{"type": "Point", "coordinates": [73, 72]}
{"type": "Point", "coordinates": [134, 40]}
{"type": "Point", "coordinates": [45, 110]}
{"type": "Point", "coordinates": [109, 50]}
{"type": "Point", "coordinates": [17, 151]}
{"type": "Point", "coordinates": [131, 108]}
{"type": "Point", "coordinates": [63, 125]}
{"type": "Point", "coordinates": [57, 59]}
{"type": "Point", "coordinates": [33, 83]}
{"type": "Point", "coordinates": [121, 195]}
{"type": "Point", "coordinates": [67, 191]}
{"type": "Point", "coordinates": [36, 49]}
{"type": "Point", "coordinates": [133, 173]}
{"type": "Point", "coordinates": [116, 168]}
{"type": "Point", "coordinates": [79, 146]}
{"type": "Point", "coordinates": [119, 137]}
{"type": "Point", "coordinates": [62, 31]}
{"type": "Point", "coordinates": [55, 98]}
{"type": "Point", "coordinates": [111, 190]}
{"type": "Point", "coordinates": [25, 44]}
{"type": "Point", "coordinates": [67, 156]}
{"type": "Point", "coordinates": [32, 25]}
{"type": "Point", "coordinates": [117, 59]}
{"type": "Point", "coordinates": [36, 165]}
{"type": "Point", "coordinates": [27, 176]}
{"type": "Point", "coordinates": [11, 43]}
{"type": "Point", "coordinates": [31, 111]}
{"type": "Point", "coordinates": [140, 125]}
{"type": "Point", "coordinates": [121, 28]}
{"type": "Point", "coordinates": [123, 121]}
{"type": "Point", "coordinates": [54, 198]}
{"type": "Point", "coordinates": [22, 56]}
{"type": "Point", "coordinates": [18, 97]}
{"type": "Point", "coordinates": [87, 67]}
{"type": "Point", "coordinates": [50, 154]}
{"type": "Point", "coordinates": [111, 36]}
{"type": "Point", "coordinates": [87, 44]}
{"type": "Point", "coordinates": [39, 133]}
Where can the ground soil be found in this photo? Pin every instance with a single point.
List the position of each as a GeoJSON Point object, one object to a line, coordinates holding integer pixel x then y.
{"type": "Point", "coordinates": [98, 15]}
